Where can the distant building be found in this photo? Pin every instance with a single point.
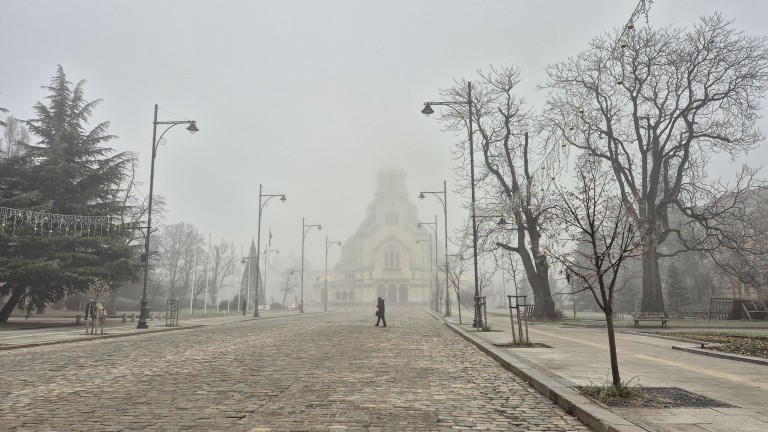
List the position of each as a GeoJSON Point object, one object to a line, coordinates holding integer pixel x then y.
{"type": "Point", "coordinates": [383, 259]}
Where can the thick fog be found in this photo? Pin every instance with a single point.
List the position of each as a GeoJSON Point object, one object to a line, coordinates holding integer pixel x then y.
{"type": "Point", "coordinates": [308, 98]}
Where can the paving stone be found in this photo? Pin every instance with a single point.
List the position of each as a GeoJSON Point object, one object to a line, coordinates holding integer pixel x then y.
{"type": "Point", "coordinates": [315, 372]}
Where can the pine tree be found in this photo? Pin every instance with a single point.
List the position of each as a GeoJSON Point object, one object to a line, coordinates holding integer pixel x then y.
{"type": "Point", "coordinates": [69, 171]}
{"type": "Point", "coordinates": [677, 294]}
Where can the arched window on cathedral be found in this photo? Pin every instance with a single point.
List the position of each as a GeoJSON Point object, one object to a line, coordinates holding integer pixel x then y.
{"type": "Point", "coordinates": [391, 258]}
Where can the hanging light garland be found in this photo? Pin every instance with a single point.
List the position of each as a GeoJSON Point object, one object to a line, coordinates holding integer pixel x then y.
{"type": "Point", "coordinates": [50, 223]}
{"type": "Point", "coordinates": [551, 162]}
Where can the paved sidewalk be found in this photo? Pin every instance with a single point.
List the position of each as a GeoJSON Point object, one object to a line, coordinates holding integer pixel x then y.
{"type": "Point", "coordinates": [62, 332]}
{"type": "Point", "coordinates": [579, 356]}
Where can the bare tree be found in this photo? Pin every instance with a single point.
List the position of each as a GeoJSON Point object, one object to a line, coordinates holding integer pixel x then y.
{"type": "Point", "coordinates": [654, 103]}
{"type": "Point", "coordinates": [15, 136]}
{"type": "Point", "coordinates": [179, 244]}
{"type": "Point", "coordinates": [457, 266]}
{"type": "Point", "coordinates": [133, 221]}
{"type": "Point", "coordinates": [485, 279]}
{"type": "Point", "coordinates": [748, 265]}
{"type": "Point", "coordinates": [510, 172]}
{"type": "Point", "coordinates": [222, 265]}
{"type": "Point", "coordinates": [598, 239]}
{"type": "Point", "coordinates": [290, 284]}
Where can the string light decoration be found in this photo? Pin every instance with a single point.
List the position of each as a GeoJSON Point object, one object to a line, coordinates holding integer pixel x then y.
{"type": "Point", "coordinates": [52, 223]}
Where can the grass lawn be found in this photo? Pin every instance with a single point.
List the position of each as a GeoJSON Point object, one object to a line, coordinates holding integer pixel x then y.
{"type": "Point", "coordinates": [731, 343]}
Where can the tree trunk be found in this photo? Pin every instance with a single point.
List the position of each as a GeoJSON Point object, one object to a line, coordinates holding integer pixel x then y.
{"type": "Point", "coordinates": [10, 305]}
{"type": "Point", "coordinates": [542, 296]}
{"type": "Point", "coordinates": [653, 297]}
{"type": "Point", "coordinates": [112, 310]}
{"type": "Point", "coordinates": [538, 278]}
{"type": "Point", "coordinates": [612, 348]}
{"type": "Point", "coordinates": [458, 302]}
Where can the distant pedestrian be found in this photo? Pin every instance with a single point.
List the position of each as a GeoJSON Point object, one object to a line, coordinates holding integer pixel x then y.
{"type": "Point", "coordinates": [380, 313]}
{"type": "Point", "coordinates": [245, 305]}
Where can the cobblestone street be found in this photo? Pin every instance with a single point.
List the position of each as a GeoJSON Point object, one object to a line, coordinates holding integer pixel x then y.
{"type": "Point", "coordinates": [313, 372]}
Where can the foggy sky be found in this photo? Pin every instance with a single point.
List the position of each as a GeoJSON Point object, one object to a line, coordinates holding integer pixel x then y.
{"type": "Point", "coordinates": [310, 98]}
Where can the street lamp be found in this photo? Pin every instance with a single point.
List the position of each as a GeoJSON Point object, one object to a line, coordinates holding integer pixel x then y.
{"type": "Point", "coordinates": [431, 270]}
{"type": "Point", "coordinates": [444, 201]}
{"type": "Point", "coordinates": [328, 245]}
{"type": "Point", "coordinates": [478, 321]}
{"type": "Point", "coordinates": [433, 227]}
{"type": "Point", "coordinates": [266, 260]}
{"type": "Point", "coordinates": [304, 230]}
{"type": "Point", "coordinates": [192, 128]}
{"type": "Point", "coordinates": [258, 243]}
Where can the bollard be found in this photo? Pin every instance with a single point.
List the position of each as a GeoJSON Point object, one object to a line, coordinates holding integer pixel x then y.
{"type": "Point", "coordinates": [79, 320]}
{"type": "Point", "coordinates": [133, 316]}
{"type": "Point", "coordinates": [125, 318]}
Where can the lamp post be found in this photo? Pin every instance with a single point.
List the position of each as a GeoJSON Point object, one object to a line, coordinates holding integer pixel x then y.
{"type": "Point", "coordinates": [304, 230]}
{"type": "Point", "coordinates": [433, 226]}
{"type": "Point", "coordinates": [266, 260]}
{"type": "Point", "coordinates": [478, 321]}
{"type": "Point", "coordinates": [432, 291]}
{"type": "Point", "coordinates": [328, 245]}
{"type": "Point", "coordinates": [258, 242]}
{"type": "Point", "coordinates": [192, 128]}
{"type": "Point", "coordinates": [444, 201]}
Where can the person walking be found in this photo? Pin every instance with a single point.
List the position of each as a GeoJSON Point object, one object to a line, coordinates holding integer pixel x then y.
{"type": "Point", "coordinates": [380, 313]}
{"type": "Point", "coordinates": [245, 306]}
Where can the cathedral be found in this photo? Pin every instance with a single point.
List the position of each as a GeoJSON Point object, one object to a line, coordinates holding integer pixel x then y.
{"type": "Point", "coordinates": [383, 258]}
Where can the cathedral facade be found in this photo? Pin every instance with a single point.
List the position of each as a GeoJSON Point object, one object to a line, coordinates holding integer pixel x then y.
{"type": "Point", "coordinates": [383, 258]}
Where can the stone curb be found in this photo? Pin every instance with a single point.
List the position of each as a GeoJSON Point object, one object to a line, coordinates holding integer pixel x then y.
{"type": "Point", "coordinates": [85, 338]}
{"type": "Point", "coordinates": [93, 337]}
{"type": "Point", "coordinates": [711, 353]}
{"type": "Point", "coordinates": [706, 352]}
{"type": "Point", "coordinates": [590, 412]}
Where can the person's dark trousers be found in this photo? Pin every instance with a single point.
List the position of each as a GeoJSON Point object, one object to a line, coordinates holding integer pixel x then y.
{"type": "Point", "coordinates": [381, 319]}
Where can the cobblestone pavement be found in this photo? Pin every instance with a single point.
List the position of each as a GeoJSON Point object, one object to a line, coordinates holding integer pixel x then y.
{"type": "Point", "coordinates": [313, 372]}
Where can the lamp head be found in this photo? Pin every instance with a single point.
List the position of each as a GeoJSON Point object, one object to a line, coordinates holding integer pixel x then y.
{"type": "Point", "coordinates": [421, 195]}
{"type": "Point", "coordinates": [283, 198]}
{"type": "Point", "coordinates": [339, 243]}
{"type": "Point", "coordinates": [427, 109]}
{"type": "Point", "coordinates": [192, 128]}
{"type": "Point", "coordinates": [243, 261]}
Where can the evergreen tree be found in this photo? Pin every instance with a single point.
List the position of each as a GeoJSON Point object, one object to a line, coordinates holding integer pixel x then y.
{"type": "Point", "coordinates": [677, 294]}
{"type": "Point", "coordinates": [69, 171]}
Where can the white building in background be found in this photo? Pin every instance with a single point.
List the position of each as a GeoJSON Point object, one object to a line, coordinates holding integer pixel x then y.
{"type": "Point", "coordinates": [383, 258]}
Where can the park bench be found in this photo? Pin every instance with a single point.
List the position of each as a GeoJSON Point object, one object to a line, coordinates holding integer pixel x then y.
{"type": "Point", "coordinates": [650, 316]}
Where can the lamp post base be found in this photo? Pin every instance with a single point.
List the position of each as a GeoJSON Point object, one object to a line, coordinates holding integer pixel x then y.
{"type": "Point", "coordinates": [477, 322]}
{"type": "Point", "coordinates": [301, 307]}
{"type": "Point", "coordinates": [143, 315]}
